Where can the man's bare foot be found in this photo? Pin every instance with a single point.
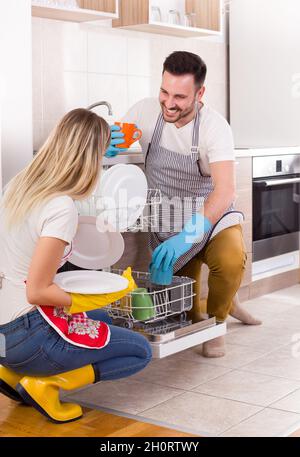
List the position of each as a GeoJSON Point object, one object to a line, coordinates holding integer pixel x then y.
{"type": "Point", "coordinates": [214, 348]}
{"type": "Point", "coordinates": [242, 315]}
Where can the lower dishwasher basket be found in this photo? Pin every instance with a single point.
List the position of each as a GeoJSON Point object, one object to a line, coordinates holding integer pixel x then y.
{"type": "Point", "coordinates": [166, 300]}
{"type": "Point", "coordinates": [169, 329]}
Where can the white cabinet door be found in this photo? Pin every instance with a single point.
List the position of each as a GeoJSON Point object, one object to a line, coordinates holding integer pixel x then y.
{"type": "Point", "coordinates": [265, 72]}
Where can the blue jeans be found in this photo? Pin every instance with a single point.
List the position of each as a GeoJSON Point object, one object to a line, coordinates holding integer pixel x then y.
{"type": "Point", "coordinates": [34, 348]}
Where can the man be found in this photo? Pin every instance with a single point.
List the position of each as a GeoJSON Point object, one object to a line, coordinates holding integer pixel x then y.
{"type": "Point", "coordinates": [189, 154]}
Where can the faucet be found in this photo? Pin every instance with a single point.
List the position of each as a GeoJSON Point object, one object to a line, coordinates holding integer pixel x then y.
{"type": "Point", "coordinates": [110, 113]}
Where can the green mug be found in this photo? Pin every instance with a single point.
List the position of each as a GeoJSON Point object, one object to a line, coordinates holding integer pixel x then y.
{"type": "Point", "coordinates": [142, 305]}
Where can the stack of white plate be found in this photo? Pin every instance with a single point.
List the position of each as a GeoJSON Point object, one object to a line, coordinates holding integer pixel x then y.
{"type": "Point", "coordinates": [121, 197]}
{"type": "Point", "coordinates": [122, 194]}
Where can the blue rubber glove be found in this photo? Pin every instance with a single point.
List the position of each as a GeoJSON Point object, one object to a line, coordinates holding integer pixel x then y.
{"type": "Point", "coordinates": [117, 137]}
{"type": "Point", "coordinates": [162, 278]}
{"type": "Point", "coordinates": [166, 254]}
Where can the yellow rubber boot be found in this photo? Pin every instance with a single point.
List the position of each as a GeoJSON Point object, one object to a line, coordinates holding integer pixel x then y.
{"type": "Point", "coordinates": [8, 383]}
{"type": "Point", "coordinates": [43, 393]}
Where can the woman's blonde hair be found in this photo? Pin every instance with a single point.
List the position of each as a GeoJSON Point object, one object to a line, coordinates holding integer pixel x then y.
{"type": "Point", "coordinates": [68, 163]}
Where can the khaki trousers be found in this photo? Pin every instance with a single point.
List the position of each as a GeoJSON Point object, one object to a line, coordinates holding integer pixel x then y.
{"type": "Point", "coordinates": [225, 255]}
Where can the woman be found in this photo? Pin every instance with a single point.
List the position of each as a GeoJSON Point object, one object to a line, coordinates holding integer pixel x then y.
{"type": "Point", "coordinates": [38, 221]}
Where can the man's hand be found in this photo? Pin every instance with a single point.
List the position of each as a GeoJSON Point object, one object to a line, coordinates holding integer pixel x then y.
{"type": "Point", "coordinates": [166, 254]}
{"type": "Point", "coordinates": [162, 278]}
{"type": "Point", "coordinates": [117, 137]}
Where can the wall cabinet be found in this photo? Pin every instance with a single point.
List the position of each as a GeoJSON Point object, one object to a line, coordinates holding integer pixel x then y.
{"type": "Point", "coordinates": [258, 116]}
{"type": "Point", "coordinates": [190, 18]}
{"type": "Point", "coordinates": [195, 17]}
{"type": "Point", "coordinates": [88, 10]}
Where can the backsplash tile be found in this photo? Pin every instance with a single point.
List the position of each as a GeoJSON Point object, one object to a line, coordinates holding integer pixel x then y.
{"type": "Point", "coordinates": [64, 92]}
{"type": "Point", "coordinates": [107, 52]}
{"type": "Point", "coordinates": [112, 88]}
{"type": "Point", "coordinates": [139, 87]}
{"type": "Point", "coordinates": [75, 65]}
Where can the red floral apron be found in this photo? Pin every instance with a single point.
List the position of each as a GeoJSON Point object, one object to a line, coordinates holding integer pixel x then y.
{"type": "Point", "coordinates": [77, 329]}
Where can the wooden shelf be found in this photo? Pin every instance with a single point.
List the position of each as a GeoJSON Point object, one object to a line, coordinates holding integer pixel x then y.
{"type": "Point", "coordinates": [89, 10]}
{"type": "Point", "coordinates": [136, 15]}
{"type": "Point", "coordinates": [169, 29]}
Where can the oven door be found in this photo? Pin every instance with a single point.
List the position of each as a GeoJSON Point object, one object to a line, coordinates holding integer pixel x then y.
{"type": "Point", "coordinates": [276, 216]}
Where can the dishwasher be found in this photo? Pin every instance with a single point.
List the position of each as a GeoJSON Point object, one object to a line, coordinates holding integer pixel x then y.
{"type": "Point", "coordinates": [170, 329]}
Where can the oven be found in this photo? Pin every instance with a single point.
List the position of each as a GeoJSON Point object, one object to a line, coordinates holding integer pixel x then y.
{"type": "Point", "coordinates": [276, 205]}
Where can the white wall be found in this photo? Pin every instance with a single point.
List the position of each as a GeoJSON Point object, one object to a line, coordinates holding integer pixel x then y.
{"type": "Point", "coordinates": [16, 82]}
{"type": "Point", "coordinates": [75, 65]}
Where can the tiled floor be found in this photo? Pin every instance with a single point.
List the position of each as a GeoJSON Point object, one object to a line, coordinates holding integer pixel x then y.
{"type": "Point", "coordinates": [253, 391]}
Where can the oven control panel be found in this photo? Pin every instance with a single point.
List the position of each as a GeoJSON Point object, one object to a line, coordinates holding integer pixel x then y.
{"type": "Point", "coordinates": [268, 166]}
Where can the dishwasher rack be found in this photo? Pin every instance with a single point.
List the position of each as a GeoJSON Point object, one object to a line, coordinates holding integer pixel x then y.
{"type": "Point", "coordinates": [170, 330]}
{"type": "Point", "coordinates": [172, 300]}
{"type": "Point", "coordinates": [95, 206]}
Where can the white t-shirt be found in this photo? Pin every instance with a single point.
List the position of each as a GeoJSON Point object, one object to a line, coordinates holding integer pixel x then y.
{"type": "Point", "coordinates": [58, 218]}
{"type": "Point", "coordinates": [215, 135]}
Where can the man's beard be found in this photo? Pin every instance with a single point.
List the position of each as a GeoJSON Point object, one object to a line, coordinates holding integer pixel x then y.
{"type": "Point", "coordinates": [175, 114]}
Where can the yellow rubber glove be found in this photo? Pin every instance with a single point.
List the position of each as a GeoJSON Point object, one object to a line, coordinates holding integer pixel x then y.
{"type": "Point", "coordinates": [87, 302]}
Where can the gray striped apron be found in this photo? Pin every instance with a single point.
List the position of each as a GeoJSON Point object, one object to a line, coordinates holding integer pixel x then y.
{"type": "Point", "coordinates": [179, 175]}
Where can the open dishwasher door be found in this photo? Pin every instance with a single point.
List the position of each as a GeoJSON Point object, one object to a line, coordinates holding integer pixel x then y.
{"type": "Point", "coordinates": [177, 333]}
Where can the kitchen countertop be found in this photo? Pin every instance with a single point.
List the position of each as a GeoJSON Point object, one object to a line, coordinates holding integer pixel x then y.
{"type": "Point", "coordinates": [266, 151]}
{"type": "Point", "coordinates": [135, 155]}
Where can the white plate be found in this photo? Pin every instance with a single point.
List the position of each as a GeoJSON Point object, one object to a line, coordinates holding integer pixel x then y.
{"type": "Point", "coordinates": [93, 249]}
{"type": "Point", "coordinates": [104, 176]}
{"type": "Point", "coordinates": [126, 188]}
{"type": "Point", "coordinates": [117, 218]}
{"type": "Point", "coordinates": [128, 177]}
{"type": "Point", "coordinates": [90, 282]}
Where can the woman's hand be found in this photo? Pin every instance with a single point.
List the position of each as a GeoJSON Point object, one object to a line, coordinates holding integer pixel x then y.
{"type": "Point", "coordinates": [40, 289]}
{"type": "Point", "coordinates": [86, 302]}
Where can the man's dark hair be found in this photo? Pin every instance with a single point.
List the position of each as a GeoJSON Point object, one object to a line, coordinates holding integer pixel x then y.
{"type": "Point", "coordinates": [183, 63]}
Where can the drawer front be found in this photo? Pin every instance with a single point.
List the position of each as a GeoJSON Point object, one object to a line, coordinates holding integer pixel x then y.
{"type": "Point", "coordinates": [247, 235]}
{"type": "Point", "coordinates": [243, 203]}
{"type": "Point", "coordinates": [243, 167]}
